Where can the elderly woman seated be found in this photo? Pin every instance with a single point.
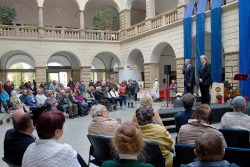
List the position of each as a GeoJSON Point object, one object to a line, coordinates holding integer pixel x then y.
{"type": "Point", "coordinates": [101, 123]}
{"type": "Point", "coordinates": [47, 151]}
{"type": "Point", "coordinates": [199, 124]}
{"type": "Point", "coordinates": [128, 143]}
{"type": "Point", "coordinates": [147, 100]}
{"type": "Point", "coordinates": [16, 102]}
{"type": "Point", "coordinates": [155, 133]}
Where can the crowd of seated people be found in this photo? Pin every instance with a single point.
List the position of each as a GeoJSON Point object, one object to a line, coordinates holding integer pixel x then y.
{"type": "Point", "coordinates": [193, 123]}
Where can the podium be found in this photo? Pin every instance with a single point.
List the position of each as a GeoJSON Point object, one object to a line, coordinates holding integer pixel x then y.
{"type": "Point", "coordinates": [239, 77]}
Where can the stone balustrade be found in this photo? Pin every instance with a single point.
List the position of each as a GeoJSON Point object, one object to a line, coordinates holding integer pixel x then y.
{"type": "Point", "coordinates": [164, 19]}
{"type": "Point", "coordinates": [18, 31]}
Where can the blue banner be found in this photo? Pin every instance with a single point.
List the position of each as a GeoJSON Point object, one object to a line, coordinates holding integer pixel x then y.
{"type": "Point", "coordinates": [244, 27]}
{"type": "Point", "coordinates": [200, 33]}
{"type": "Point", "coordinates": [188, 30]}
{"type": "Point", "coordinates": [216, 41]}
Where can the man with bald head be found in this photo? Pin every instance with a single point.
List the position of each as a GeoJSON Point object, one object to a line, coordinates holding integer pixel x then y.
{"type": "Point", "coordinates": [189, 76]}
{"type": "Point", "coordinates": [18, 138]}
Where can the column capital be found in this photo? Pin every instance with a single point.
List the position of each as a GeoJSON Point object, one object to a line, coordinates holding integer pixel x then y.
{"type": "Point", "coordinates": [181, 3]}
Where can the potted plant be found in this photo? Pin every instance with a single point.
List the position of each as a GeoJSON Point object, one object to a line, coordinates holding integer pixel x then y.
{"type": "Point", "coordinates": [219, 98]}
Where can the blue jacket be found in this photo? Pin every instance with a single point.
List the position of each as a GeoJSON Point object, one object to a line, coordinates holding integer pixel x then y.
{"type": "Point", "coordinates": [182, 118]}
{"type": "Point", "coordinates": [4, 96]}
{"type": "Point", "coordinates": [31, 101]}
{"type": "Point", "coordinates": [23, 98]}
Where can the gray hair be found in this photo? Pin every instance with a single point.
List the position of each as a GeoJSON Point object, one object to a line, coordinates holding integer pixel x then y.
{"type": "Point", "coordinates": [96, 111]}
{"type": "Point", "coordinates": [13, 92]}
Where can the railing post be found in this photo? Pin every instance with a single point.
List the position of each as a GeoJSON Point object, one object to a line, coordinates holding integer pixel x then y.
{"type": "Point", "coordinates": [41, 32]}
{"type": "Point", "coordinates": [181, 11]}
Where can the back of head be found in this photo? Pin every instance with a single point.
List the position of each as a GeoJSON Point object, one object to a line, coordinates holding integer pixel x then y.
{"type": "Point", "coordinates": [128, 139]}
{"type": "Point", "coordinates": [22, 121]}
{"type": "Point", "coordinates": [97, 110]}
{"type": "Point", "coordinates": [239, 104]}
{"type": "Point", "coordinates": [203, 113]}
{"type": "Point", "coordinates": [144, 115]}
{"type": "Point", "coordinates": [146, 100]}
{"type": "Point", "coordinates": [209, 147]}
{"type": "Point", "coordinates": [48, 122]}
{"type": "Point", "coordinates": [188, 101]}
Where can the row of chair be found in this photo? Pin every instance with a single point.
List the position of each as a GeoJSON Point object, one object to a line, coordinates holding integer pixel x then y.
{"type": "Point", "coordinates": [236, 152]}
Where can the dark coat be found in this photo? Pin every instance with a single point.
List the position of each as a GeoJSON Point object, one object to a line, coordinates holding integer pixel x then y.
{"type": "Point", "coordinates": [182, 118]}
{"type": "Point", "coordinates": [205, 74]}
{"type": "Point", "coordinates": [189, 75]}
{"type": "Point", "coordinates": [15, 144]}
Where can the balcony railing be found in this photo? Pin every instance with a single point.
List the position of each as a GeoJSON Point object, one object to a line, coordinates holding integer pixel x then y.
{"type": "Point", "coordinates": [164, 19]}
{"type": "Point", "coordinates": [18, 31]}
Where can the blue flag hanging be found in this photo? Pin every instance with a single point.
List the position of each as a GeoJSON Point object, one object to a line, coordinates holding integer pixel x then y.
{"type": "Point", "coordinates": [244, 26]}
{"type": "Point", "coordinates": [200, 32]}
{"type": "Point", "coordinates": [216, 41]}
{"type": "Point", "coordinates": [188, 30]}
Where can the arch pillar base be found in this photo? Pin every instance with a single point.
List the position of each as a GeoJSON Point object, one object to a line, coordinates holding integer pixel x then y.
{"type": "Point", "coordinates": [85, 74]}
{"type": "Point", "coordinates": [180, 76]}
{"type": "Point", "coordinates": [3, 76]}
{"type": "Point", "coordinates": [40, 74]}
{"type": "Point", "coordinates": [151, 71]}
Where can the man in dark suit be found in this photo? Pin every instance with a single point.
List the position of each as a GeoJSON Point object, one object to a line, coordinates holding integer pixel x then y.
{"type": "Point", "coordinates": [189, 76]}
{"type": "Point", "coordinates": [18, 138]}
{"type": "Point", "coordinates": [205, 79]}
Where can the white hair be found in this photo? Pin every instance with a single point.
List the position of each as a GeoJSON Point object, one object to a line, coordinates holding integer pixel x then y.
{"type": "Point", "coordinates": [97, 110]}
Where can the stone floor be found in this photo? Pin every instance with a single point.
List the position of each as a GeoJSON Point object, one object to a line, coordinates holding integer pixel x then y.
{"type": "Point", "coordinates": [75, 130]}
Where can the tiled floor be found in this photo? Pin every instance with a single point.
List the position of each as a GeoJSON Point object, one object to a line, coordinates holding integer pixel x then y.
{"type": "Point", "coordinates": [75, 130]}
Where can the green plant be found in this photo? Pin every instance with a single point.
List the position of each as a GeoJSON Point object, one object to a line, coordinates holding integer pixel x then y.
{"type": "Point", "coordinates": [104, 18]}
{"type": "Point", "coordinates": [7, 15]}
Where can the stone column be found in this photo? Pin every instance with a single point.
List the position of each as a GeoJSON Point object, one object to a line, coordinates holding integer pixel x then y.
{"type": "Point", "coordinates": [232, 67]}
{"type": "Point", "coordinates": [40, 26]}
{"type": "Point", "coordinates": [81, 24]}
{"type": "Point", "coordinates": [125, 19]}
{"type": "Point", "coordinates": [150, 9]}
{"type": "Point", "coordinates": [85, 74]}
{"type": "Point", "coordinates": [3, 76]}
{"type": "Point", "coordinates": [181, 10]}
{"type": "Point", "coordinates": [179, 75]}
{"type": "Point", "coordinates": [41, 74]}
{"type": "Point", "coordinates": [151, 71]}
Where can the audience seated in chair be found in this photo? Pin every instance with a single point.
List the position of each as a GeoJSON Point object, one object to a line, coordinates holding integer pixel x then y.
{"type": "Point", "coordinates": [51, 101]}
{"type": "Point", "coordinates": [15, 101]}
{"type": "Point", "coordinates": [236, 119]}
{"type": "Point", "coordinates": [210, 150]}
{"type": "Point", "coordinates": [198, 125]}
{"type": "Point", "coordinates": [155, 133]}
{"type": "Point", "coordinates": [24, 97]}
{"type": "Point", "coordinates": [18, 138]}
{"type": "Point", "coordinates": [47, 151]}
{"type": "Point", "coordinates": [147, 100]}
{"type": "Point", "coordinates": [5, 100]}
{"type": "Point", "coordinates": [128, 143]}
{"type": "Point", "coordinates": [31, 100]}
{"type": "Point", "coordinates": [40, 97]}
{"type": "Point", "coordinates": [101, 123]}
{"type": "Point", "coordinates": [182, 118]}
{"type": "Point", "coordinates": [115, 98]}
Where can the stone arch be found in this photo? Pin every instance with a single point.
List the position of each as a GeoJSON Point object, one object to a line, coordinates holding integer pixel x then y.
{"type": "Point", "coordinates": [135, 66]}
{"type": "Point", "coordinates": [16, 56]}
{"type": "Point", "coordinates": [61, 13]}
{"type": "Point", "coordinates": [116, 2]}
{"type": "Point", "coordinates": [138, 11]}
{"type": "Point", "coordinates": [65, 58]}
{"type": "Point", "coordinates": [105, 65]}
{"type": "Point", "coordinates": [91, 5]}
{"type": "Point", "coordinates": [162, 54]}
{"type": "Point", "coordinates": [164, 6]}
{"type": "Point", "coordinates": [27, 12]}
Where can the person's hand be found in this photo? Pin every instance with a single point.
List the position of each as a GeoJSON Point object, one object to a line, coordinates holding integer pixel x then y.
{"type": "Point", "coordinates": [200, 80]}
{"type": "Point", "coordinates": [189, 84]}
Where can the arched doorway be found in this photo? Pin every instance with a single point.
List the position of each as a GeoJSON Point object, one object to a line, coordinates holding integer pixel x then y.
{"type": "Point", "coordinates": [62, 66]}
{"type": "Point", "coordinates": [135, 67]}
{"type": "Point", "coordinates": [61, 13]}
{"type": "Point", "coordinates": [18, 67]}
{"type": "Point", "coordinates": [164, 6]}
{"type": "Point", "coordinates": [93, 5]}
{"type": "Point", "coordinates": [138, 11]}
{"type": "Point", "coordinates": [105, 65]}
{"type": "Point", "coordinates": [164, 55]}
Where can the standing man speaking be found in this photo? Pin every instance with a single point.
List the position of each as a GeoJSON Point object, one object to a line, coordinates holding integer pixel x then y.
{"type": "Point", "coordinates": [189, 76]}
{"type": "Point", "coordinates": [205, 79]}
